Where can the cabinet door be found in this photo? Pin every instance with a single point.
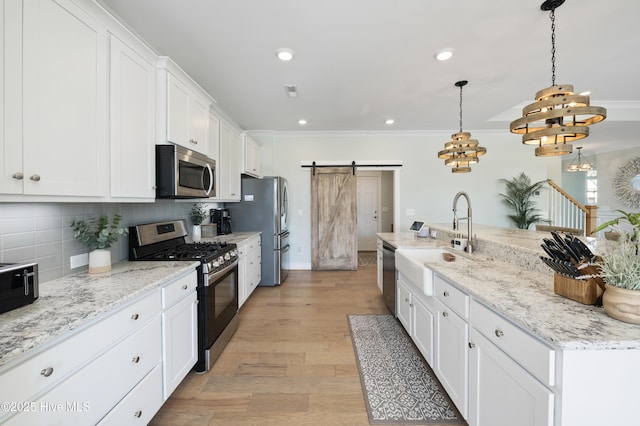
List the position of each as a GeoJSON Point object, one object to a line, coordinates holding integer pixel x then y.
{"type": "Point", "coordinates": [177, 112]}
{"type": "Point", "coordinates": [64, 100]}
{"type": "Point", "coordinates": [242, 280]}
{"type": "Point", "coordinates": [214, 150]}
{"type": "Point", "coordinates": [379, 264]}
{"type": "Point", "coordinates": [251, 156]}
{"type": "Point", "coordinates": [199, 124]}
{"type": "Point", "coordinates": [132, 123]}
{"type": "Point", "coordinates": [404, 306]}
{"type": "Point", "coordinates": [423, 329]}
{"type": "Point", "coordinates": [501, 392]}
{"type": "Point", "coordinates": [179, 342]}
{"type": "Point", "coordinates": [452, 355]}
{"type": "Point", "coordinates": [230, 156]}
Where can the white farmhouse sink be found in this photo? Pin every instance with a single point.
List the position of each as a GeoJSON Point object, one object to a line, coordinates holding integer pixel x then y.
{"type": "Point", "coordinates": [411, 263]}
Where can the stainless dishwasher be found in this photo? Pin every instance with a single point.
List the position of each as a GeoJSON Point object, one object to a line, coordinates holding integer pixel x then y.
{"type": "Point", "coordinates": [389, 276]}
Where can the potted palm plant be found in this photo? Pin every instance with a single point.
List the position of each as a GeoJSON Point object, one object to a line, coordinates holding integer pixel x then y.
{"type": "Point", "coordinates": [99, 235]}
{"type": "Point", "coordinates": [520, 192]}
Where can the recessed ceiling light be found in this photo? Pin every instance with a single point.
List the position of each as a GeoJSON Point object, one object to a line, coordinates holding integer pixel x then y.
{"type": "Point", "coordinates": [390, 121]}
{"type": "Point", "coordinates": [302, 122]}
{"type": "Point", "coordinates": [285, 54]}
{"type": "Point", "coordinates": [444, 54]}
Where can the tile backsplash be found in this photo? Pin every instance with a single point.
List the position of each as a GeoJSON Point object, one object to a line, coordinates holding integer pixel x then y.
{"type": "Point", "coordinates": [40, 232]}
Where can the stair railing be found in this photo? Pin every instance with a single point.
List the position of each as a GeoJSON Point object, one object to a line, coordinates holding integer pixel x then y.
{"type": "Point", "coordinates": [566, 212]}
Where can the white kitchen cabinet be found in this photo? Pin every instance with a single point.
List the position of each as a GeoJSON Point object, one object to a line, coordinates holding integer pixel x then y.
{"type": "Point", "coordinates": [229, 163]}
{"type": "Point", "coordinates": [249, 267]}
{"type": "Point", "coordinates": [501, 392]}
{"type": "Point", "coordinates": [251, 151]}
{"type": "Point", "coordinates": [451, 340]}
{"type": "Point", "coordinates": [56, 84]}
{"type": "Point", "coordinates": [183, 108]}
{"type": "Point", "coordinates": [179, 341]}
{"type": "Point", "coordinates": [133, 121]}
{"type": "Point", "coordinates": [416, 314]}
{"type": "Point", "coordinates": [214, 150]}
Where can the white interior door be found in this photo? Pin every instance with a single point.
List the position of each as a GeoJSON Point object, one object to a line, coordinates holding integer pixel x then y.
{"type": "Point", "coordinates": [368, 212]}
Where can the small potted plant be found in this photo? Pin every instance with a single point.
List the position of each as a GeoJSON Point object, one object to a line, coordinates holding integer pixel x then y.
{"type": "Point", "coordinates": [99, 235]}
{"type": "Point", "coordinates": [198, 215]}
{"type": "Point", "coordinates": [620, 270]}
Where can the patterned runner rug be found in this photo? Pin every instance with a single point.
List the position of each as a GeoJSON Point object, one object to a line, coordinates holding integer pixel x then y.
{"type": "Point", "coordinates": [399, 386]}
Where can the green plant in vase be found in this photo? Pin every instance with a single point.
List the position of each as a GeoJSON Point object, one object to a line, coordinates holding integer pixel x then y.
{"type": "Point", "coordinates": [98, 234]}
{"type": "Point", "coordinates": [198, 215]}
{"type": "Point", "coordinates": [620, 270]}
{"type": "Point", "coordinates": [520, 191]}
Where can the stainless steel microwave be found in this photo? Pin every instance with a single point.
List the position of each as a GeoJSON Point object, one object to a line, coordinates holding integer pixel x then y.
{"type": "Point", "coordinates": [183, 173]}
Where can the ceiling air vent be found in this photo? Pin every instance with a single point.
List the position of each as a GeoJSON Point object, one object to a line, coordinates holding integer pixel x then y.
{"type": "Point", "coordinates": [291, 90]}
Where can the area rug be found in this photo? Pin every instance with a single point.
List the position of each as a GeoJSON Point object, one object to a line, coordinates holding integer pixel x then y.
{"type": "Point", "coordinates": [399, 386]}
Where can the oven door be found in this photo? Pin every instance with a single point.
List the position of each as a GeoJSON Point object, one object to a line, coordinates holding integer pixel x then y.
{"type": "Point", "coordinates": [217, 307]}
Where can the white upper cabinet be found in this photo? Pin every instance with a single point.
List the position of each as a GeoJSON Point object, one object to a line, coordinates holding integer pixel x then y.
{"type": "Point", "coordinates": [251, 150]}
{"type": "Point", "coordinates": [214, 150]}
{"type": "Point", "coordinates": [184, 116]}
{"type": "Point", "coordinates": [133, 121]}
{"type": "Point", "coordinates": [57, 87]}
{"type": "Point", "coordinates": [230, 163]}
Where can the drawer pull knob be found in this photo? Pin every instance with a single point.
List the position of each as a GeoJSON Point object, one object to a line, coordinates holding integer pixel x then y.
{"type": "Point", "coordinates": [499, 333]}
{"type": "Point", "coordinates": [17, 176]}
{"type": "Point", "coordinates": [445, 314]}
{"type": "Point", "coordinates": [35, 178]}
{"type": "Point", "coordinates": [135, 317]}
{"type": "Point", "coordinates": [406, 300]}
{"type": "Point", "coordinates": [138, 414]}
{"type": "Point", "coordinates": [46, 372]}
{"type": "Point", "coordinates": [136, 359]}
{"type": "Point", "coordinates": [184, 287]}
{"type": "Point", "coordinates": [445, 294]}
{"type": "Point", "coordinates": [472, 345]}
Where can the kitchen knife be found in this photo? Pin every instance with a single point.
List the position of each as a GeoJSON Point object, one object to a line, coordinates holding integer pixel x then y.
{"type": "Point", "coordinates": [584, 249]}
{"type": "Point", "coordinates": [572, 250]}
{"type": "Point", "coordinates": [548, 251]}
{"type": "Point", "coordinates": [565, 248]}
{"type": "Point", "coordinates": [572, 270]}
{"type": "Point", "coordinates": [551, 264]}
{"type": "Point", "coordinates": [551, 243]}
{"type": "Point", "coordinates": [559, 254]}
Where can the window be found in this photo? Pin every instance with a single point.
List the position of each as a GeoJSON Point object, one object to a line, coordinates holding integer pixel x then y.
{"type": "Point", "coordinates": [592, 187]}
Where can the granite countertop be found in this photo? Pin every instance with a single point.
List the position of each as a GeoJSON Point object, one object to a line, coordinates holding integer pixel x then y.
{"type": "Point", "coordinates": [74, 301]}
{"type": "Point", "coordinates": [508, 276]}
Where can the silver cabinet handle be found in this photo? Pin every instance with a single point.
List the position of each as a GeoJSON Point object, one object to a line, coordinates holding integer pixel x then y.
{"type": "Point", "coordinates": [18, 176]}
{"type": "Point", "coordinates": [135, 359]}
{"type": "Point", "coordinates": [35, 178]}
{"type": "Point", "coordinates": [193, 141]}
{"type": "Point", "coordinates": [135, 317]}
{"type": "Point", "coordinates": [445, 314]}
{"type": "Point", "coordinates": [472, 345]}
{"type": "Point", "coordinates": [499, 333]}
{"type": "Point", "coordinates": [138, 414]}
{"type": "Point", "coordinates": [445, 293]}
{"type": "Point", "coordinates": [184, 287]}
{"type": "Point", "coordinates": [46, 372]}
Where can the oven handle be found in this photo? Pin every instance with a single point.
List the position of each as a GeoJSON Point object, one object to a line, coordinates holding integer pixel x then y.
{"type": "Point", "coordinates": [214, 277]}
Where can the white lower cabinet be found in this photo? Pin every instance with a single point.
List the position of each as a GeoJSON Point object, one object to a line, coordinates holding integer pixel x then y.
{"type": "Point", "coordinates": [249, 267]}
{"type": "Point", "coordinates": [501, 392]}
{"type": "Point", "coordinates": [416, 313]}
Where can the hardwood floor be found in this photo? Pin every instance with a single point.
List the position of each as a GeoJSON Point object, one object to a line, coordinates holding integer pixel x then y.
{"type": "Point", "coordinates": [291, 362]}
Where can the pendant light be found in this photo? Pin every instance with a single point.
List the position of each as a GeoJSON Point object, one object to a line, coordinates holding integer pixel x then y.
{"type": "Point", "coordinates": [461, 152]}
{"type": "Point", "coordinates": [558, 116]}
{"type": "Point", "coordinates": [580, 163]}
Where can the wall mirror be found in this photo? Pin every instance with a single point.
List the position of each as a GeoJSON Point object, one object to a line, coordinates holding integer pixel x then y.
{"type": "Point", "coordinates": [627, 183]}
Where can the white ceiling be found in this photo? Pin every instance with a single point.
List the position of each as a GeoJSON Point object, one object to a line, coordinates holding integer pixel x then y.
{"type": "Point", "coordinates": [359, 62]}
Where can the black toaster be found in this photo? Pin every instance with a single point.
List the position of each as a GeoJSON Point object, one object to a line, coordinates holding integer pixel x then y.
{"type": "Point", "coordinates": [18, 285]}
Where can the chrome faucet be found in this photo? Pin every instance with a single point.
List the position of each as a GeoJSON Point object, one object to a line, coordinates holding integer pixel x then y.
{"type": "Point", "coordinates": [468, 219]}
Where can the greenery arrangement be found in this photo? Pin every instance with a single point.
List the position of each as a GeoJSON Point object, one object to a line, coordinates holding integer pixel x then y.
{"type": "Point", "coordinates": [519, 195]}
{"type": "Point", "coordinates": [97, 233]}
{"type": "Point", "coordinates": [198, 214]}
{"type": "Point", "coordinates": [632, 219]}
{"type": "Point", "coordinates": [621, 266]}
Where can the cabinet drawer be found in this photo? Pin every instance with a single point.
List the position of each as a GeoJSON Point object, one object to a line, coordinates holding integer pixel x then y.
{"type": "Point", "coordinates": [531, 353]}
{"type": "Point", "coordinates": [90, 393]}
{"type": "Point", "coordinates": [29, 380]}
{"type": "Point", "coordinates": [179, 289]}
{"type": "Point", "coordinates": [140, 405]}
{"type": "Point", "coordinates": [249, 246]}
{"type": "Point", "coordinates": [451, 296]}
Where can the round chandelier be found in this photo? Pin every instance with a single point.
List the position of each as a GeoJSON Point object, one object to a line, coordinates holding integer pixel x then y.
{"type": "Point", "coordinates": [558, 116]}
{"type": "Point", "coordinates": [461, 151]}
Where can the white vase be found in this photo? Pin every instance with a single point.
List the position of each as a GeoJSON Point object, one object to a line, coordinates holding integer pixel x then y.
{"type": "Point", "coordinates": [99, 261]}
{"type": "Point", "coordinates": [197, 233]}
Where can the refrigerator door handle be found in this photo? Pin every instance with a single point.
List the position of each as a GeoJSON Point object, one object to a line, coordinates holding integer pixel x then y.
{"type": "Point", "coordinates": [285, 234]}
{"type": "Point", "coordinates": [285, 248]}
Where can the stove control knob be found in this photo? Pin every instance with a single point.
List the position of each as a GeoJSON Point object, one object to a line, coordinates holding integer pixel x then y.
{"type": "Point", "coordinates": [234, 253]}
{"type": "Point", "coordinates": [221, 260]}
{"type": "Point", "coordinates": [215, 264]}
{"type": "Point", "coordinates": [227, 256]}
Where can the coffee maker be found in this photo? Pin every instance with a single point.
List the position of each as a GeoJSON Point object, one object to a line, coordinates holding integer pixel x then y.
{"type": "Point", "coordinates": [222, 219]}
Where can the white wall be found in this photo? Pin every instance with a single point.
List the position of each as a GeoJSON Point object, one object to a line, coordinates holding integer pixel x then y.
{"type": "Point", "coordinates": [426, 185]}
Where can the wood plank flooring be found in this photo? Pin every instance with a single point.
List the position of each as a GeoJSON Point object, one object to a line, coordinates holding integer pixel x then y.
{"type": "Point", "coordinates": [291, 362]}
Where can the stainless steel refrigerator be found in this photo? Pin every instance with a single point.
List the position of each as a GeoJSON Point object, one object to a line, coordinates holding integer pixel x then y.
{"type": "Point", "coordinates": [264, 206]}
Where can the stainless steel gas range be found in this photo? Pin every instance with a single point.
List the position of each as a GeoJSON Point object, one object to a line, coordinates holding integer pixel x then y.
{"type": "Point", "coordinates": [217, 280]}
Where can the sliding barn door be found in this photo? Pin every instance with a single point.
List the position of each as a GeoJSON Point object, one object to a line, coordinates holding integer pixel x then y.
{"type": "Point", "coordinates": [334, 231]}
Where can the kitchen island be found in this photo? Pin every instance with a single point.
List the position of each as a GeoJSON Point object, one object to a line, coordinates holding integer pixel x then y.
{"type": "Point", "coordinates": [592, 366]}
